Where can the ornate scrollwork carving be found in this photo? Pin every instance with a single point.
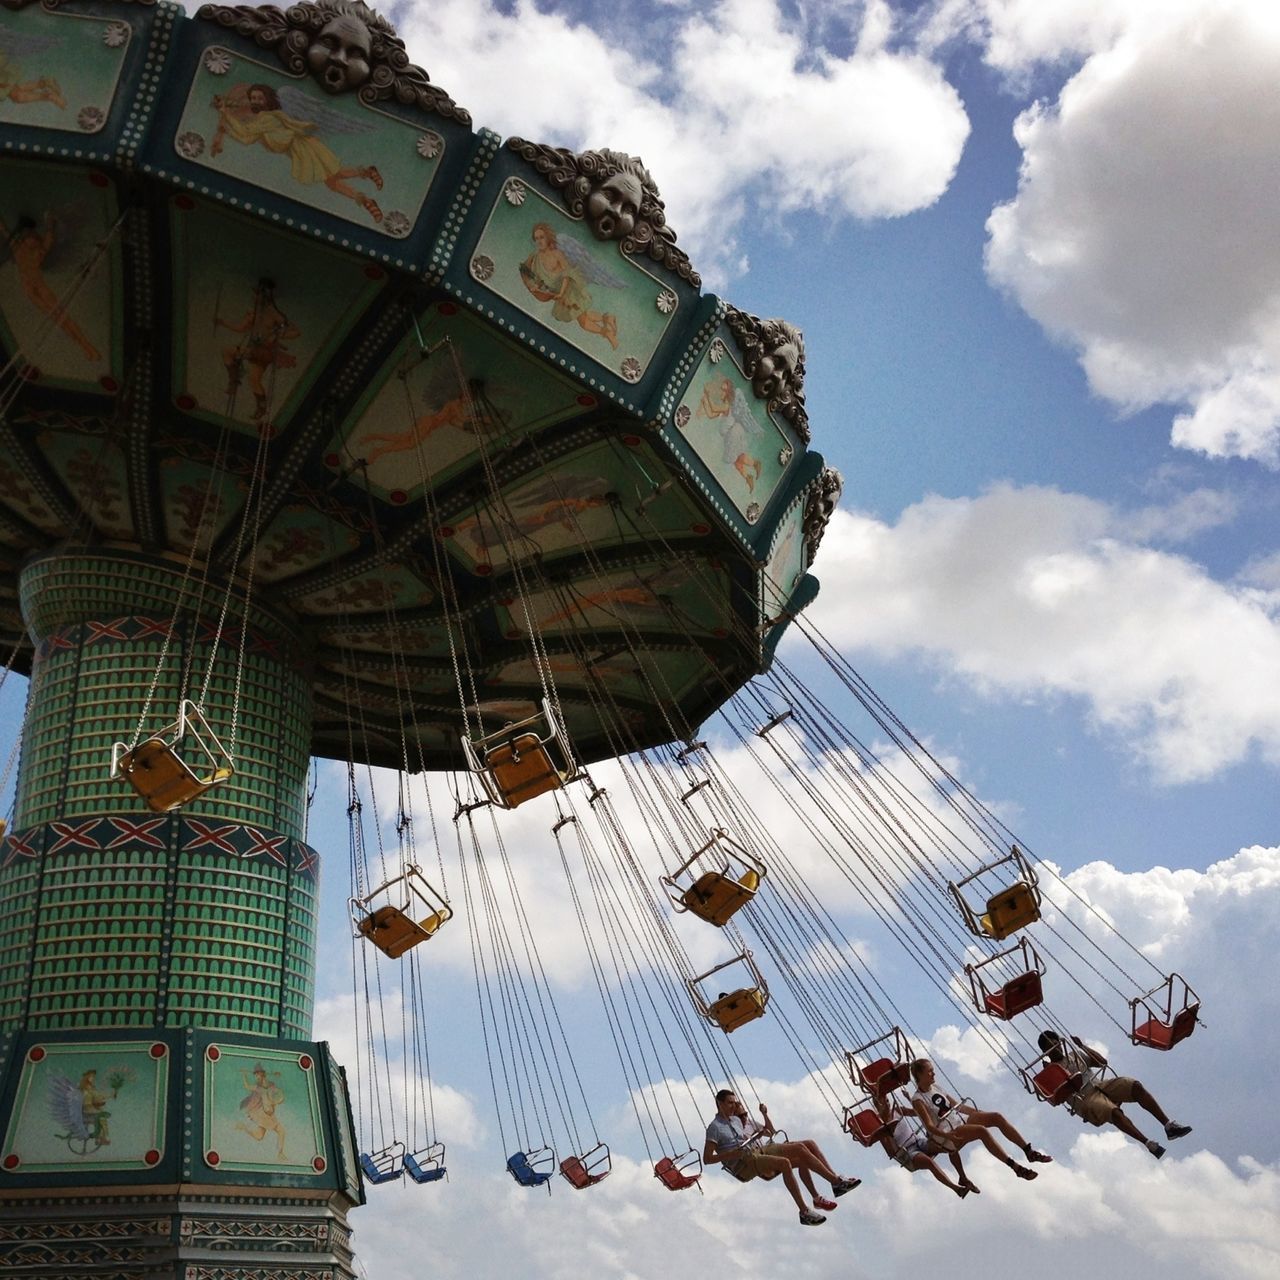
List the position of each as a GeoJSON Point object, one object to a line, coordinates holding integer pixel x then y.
{"type": "Point", "coordinates": [818, 509]}
{"type": "Point", "coordinates": [616, 196]}
{"type": "Point", "coordinates": [773, 358]}
{"type": "Point", "coordinates": [344, 45]}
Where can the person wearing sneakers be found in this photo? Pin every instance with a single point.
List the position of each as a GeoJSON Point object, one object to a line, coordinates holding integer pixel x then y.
{"type": "Point", "coordinates": [728, 1136]}
{"type": "Point", "coordinates": [1097, 1101]}
{"type": "Point", "coordinates": [949, 1122]}
{"type": "Point", "coordinates": [924, 1075]}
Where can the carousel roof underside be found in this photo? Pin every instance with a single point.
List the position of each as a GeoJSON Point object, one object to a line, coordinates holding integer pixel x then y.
{"type": "Point", "coordinates": [408, 382]}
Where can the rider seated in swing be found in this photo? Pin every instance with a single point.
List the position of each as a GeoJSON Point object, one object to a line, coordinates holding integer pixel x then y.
{"type": "Point", "coordinates": [732, 1129]}
{"type": "Point", "coordinates": [907, 1142]}
{"type": "Point", "coordinates": [1097, 1100]}
{"type": "Point", "coordinates": [949, 1121]}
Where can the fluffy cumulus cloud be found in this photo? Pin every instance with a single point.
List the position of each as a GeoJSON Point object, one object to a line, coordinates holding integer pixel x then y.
{"type": "Point", "coordinates": [1210, 1208]}
{"type": "Point", "coordinates": [1035, 592]}
{"type": "Point", "coordinates": [1143, 229]}
{"type": "Point", "coordinates": [737, 109]}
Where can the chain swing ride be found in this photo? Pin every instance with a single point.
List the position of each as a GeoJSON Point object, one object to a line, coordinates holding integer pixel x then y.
{"type": "Point", "coordinates": [468, 478]}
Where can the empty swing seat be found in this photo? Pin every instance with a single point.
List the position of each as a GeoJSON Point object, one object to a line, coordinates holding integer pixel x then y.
{"type": "Point", "coordinates": [1010, 910]}
{"type": "Point", "coordinates": [525, 1173]}
{"type": "Point", "coordinates": [883, 1076]}
{"type": "Point", "coordinates": [1016, 996]}
{"type": "Point", "coordinates": [737, 1008]}
{"type": "Point", "coordinates": [674, 1174]}
{"type": "Point", "coordinates": [587, 1169]}
{"type": "Point", "coordinates": [522, 760]}
{"type": "Point", "coordinates": [866, 1127]}
{"type": "Point", "coordinates": [714, 897]}
{"type": "Point", "coordinates": [393, 932]}
{"type": "Point", "coordinates": [382, 1166]}
{"type": "Point", "coordinates": [423, 1171]}
{"type": "Point", "coordinates": [522, 769]}
{"type": "Point", "coordinates": [1055, 1084]}
{"type": "Point", "coordinates": [1157, 1034]}
{"type": "Point", "coordinates": [162, 778]}
{"type": "Point", "coordinates": [425, 1166]}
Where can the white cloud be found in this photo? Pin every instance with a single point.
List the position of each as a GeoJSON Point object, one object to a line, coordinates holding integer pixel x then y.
{"type": "Point", "coordinates": [1035, 592]}
{"type": "Point", "coordinates": [1142, 233]}
{"type": "Point", "coordinates": [735, 109]}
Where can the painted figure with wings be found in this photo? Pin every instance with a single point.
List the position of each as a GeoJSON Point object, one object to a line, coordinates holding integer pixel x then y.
{"type": "Point", "coordinates": [257, 113]}
{"type": "Point", "coordinates": [33, 248]}
{"type": "Point", "coordinates": [559, 270]}
{"type": "Point", "coordinates": [553, 500]}
{"type": "Point", "coordinates": [81, 1109]}
{"type": "Point", "coordinates": [445, 405]}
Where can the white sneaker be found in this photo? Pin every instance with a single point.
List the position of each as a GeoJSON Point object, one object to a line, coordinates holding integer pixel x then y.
{"type": "Point", "coordinates": [810, 1219]}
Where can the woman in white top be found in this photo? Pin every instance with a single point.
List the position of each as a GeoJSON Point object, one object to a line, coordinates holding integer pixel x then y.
{"type": "Point", "coordinates": [950, 1122]}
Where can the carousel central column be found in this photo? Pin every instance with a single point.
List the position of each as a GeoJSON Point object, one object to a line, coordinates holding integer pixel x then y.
{"type": "Point", "coordinates": [157, 969]}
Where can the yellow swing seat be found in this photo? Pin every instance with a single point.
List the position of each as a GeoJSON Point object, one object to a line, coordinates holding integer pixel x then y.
{"type": "Point", "coordinates": [737, 1008]}
{"type": "Point", "coordinates": [731, 1010]}
{"type": "Point", "coordinates": [1009, 909]}
{"type": "Point", "coordinates": [397, 926]}
{"type": "Point", "coordinates": [719, 892]}
{"type": "Point", "coordinates": [522, 760]}
{"type": "Point", "coordinates": [158, 771]}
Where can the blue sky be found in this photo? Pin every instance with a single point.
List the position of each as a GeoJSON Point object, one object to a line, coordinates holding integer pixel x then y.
{"type": "Point", "coordinates": [1056, 556]}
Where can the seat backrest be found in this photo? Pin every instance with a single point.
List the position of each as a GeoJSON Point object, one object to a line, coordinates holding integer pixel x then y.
{"type": "Point", "coordinates": [670, 1175]}
{"type": "Point", "coordinates": [1055, 1084]}
{"type": "Point", "coordinates": [884, 1075]}
{"type": "Point", "coordinates": [865, 1126]}
{"type": "Point", "coordinates": [575, 1171]}
{"type": "Point", "coordinates": [1016, 996]}
{"type": "Point", "coordinates": [1010, 910]}
{"type": "Point", "coordinates": [749, 880]}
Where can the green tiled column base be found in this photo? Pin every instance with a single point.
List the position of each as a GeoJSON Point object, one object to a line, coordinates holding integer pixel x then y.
{"type": "Point", "coordinates": [120, 917]}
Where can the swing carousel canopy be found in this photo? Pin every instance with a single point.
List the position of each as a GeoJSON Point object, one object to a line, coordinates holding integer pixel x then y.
{"type": "Point", "coordinates": [456, 407]}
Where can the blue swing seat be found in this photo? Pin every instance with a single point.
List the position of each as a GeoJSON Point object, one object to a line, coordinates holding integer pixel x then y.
{"type": "Point", "coordinates": [525, 1173]}
{"type": "Point", "coordinates": [379, 1171]}
{"type": "Point", "coordinates": [423, 1172]}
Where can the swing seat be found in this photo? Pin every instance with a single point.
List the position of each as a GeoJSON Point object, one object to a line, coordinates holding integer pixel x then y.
{"type": "Point", "coordinates": [716, 893]}
{"type": "Point", "coordinates": [416, 913]}
{"type": "Point", "coordinates": [586, 1170]}
{"type": "Point", "coordinates": [162, 778]}
{"type": "Point", "coordinates": [883, 1076]}
{"type": "Point", "coordinates": [1010, 910]}
{"type": "Point", "coordinates": [1016, 996]}
{"type": "Point", "coordinates": [674, 1172]}
{"type": "Point", "coordinates": [518, 763]}
{"type": "Point", "coordinates": [1157, 1034]}
{"type": "Point", "coordinates": [866, 1126]}
{"type": "Point", "coordinates": [425, 1166]}
{"type": "Point", "coordinates": [1055, 1084]}
{"type": "Point", "coordinates": [383, 1166]}
{"type": "Point", "coordinates": [520, 1167]}
{"type": "Point", "coordinates": [522, 769]}
{"type": "Point", "coordinates": [737, 1008]}
{"type": "Point", "coordinates": [715, 897]}
{"type": "Point", "coordinates": [1171, 1011]}
{"type": "Point", "coordinates": [393, 932]}
{"type": "Point", "coordinates": [157, 770]}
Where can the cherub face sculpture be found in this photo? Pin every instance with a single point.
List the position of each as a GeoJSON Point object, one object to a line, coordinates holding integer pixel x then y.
{"type": "Point", "coordinates": [339, 55]}
{"type": "Point", "coordinates": [776, 371]}
{"type": "Point", "coordinates": [612, 207]}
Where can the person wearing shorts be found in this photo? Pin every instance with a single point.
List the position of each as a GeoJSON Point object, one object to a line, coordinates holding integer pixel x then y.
{"type": "Point", "coordinates": [1098, 1100]}
{"type": "Point", "coordinates": [946, 1122]}
{"type": "Point", "coordinates": [907, 1143]}
{"type": "Point", "coordinates": [731, 1129]}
